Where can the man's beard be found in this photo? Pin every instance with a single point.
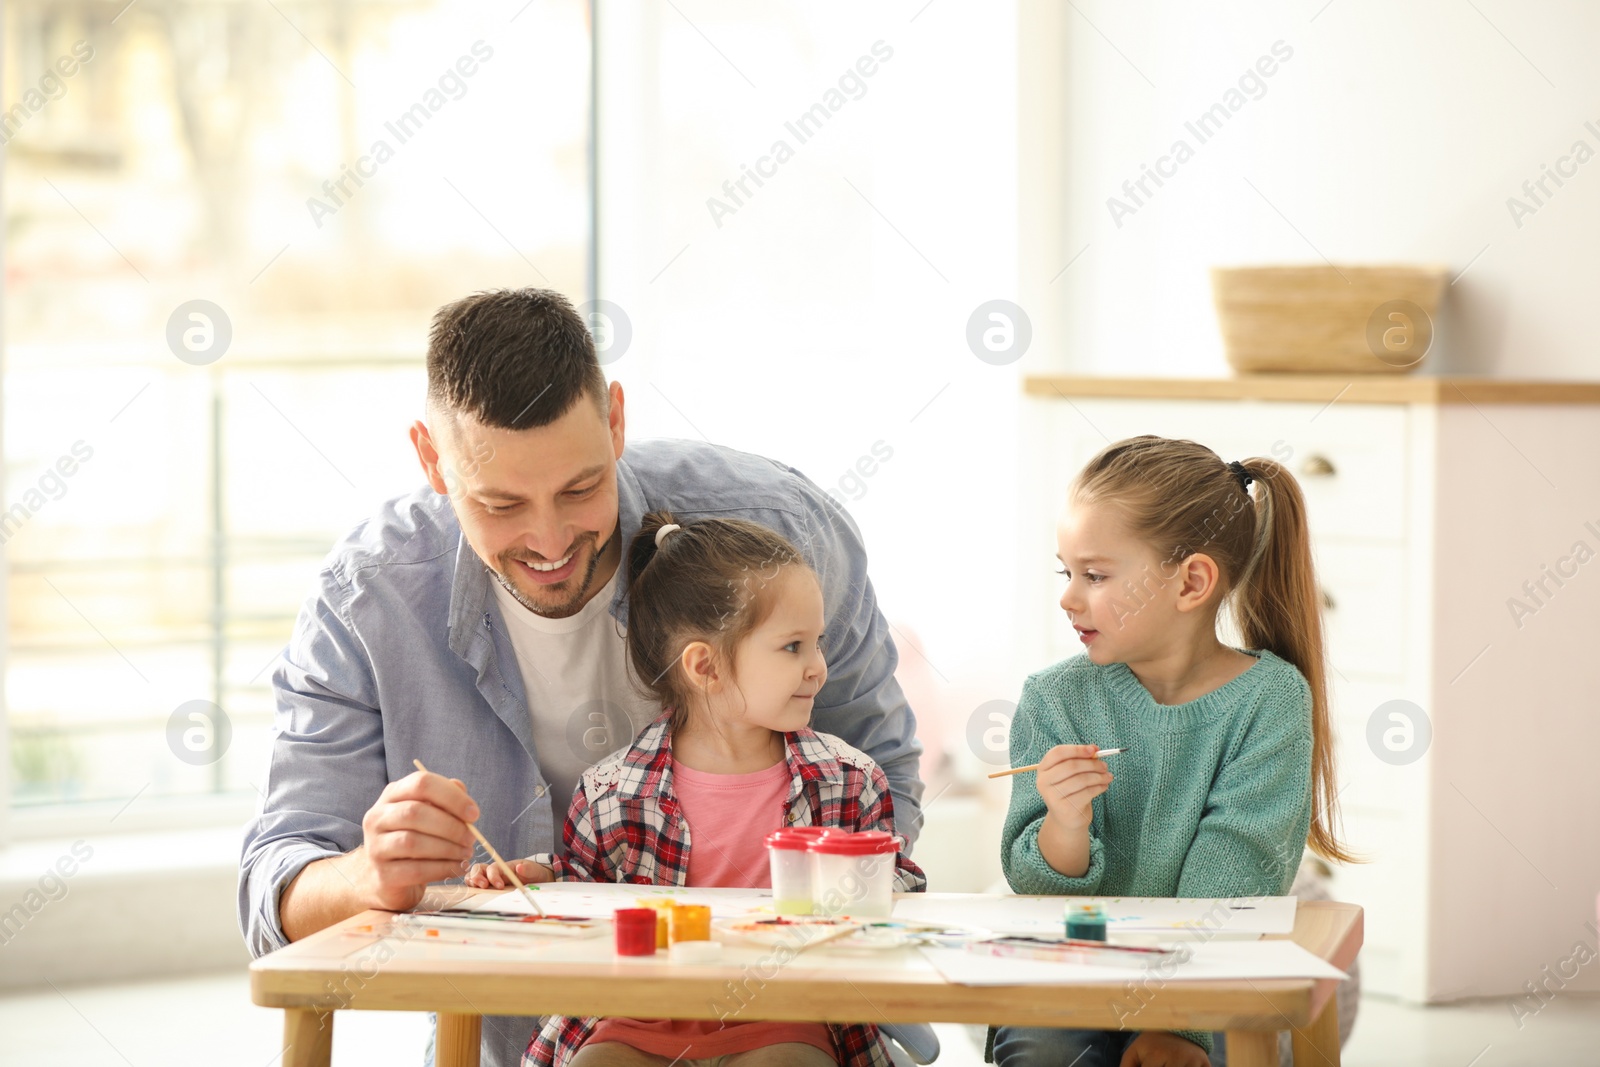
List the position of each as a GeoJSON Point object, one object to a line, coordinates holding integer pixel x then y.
{"type": "Point", "coordinates": [574, 603]}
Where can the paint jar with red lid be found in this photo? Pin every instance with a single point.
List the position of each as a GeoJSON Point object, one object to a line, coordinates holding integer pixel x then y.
{"type": "Point", "coordinates": [853, 873]}
{"type": "Point", "coordinates": [636, 931]}
{"type": "Point", "coordinates": [791, 869]}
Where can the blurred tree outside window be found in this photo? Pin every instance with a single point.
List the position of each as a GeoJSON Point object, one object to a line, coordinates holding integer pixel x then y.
{"type": "Point", "coordinates": [227, 225]}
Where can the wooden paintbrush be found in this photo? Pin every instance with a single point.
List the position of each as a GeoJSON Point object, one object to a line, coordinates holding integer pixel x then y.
{"type": "Point", "coordinates": [505, 868]}
{"type": "Point", "coordinates": [1034, 766]}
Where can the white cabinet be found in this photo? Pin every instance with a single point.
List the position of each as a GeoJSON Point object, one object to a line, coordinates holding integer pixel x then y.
{"type": "Point", "coordinates": [1425, 517]}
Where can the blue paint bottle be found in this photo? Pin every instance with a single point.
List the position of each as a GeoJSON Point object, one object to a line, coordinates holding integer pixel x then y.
{"type": "Point", "coordinates": [1086, 922]}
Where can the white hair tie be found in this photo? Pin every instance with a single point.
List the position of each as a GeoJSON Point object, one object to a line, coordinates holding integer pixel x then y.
{"type": "Point", "coordinates": [668, 528]}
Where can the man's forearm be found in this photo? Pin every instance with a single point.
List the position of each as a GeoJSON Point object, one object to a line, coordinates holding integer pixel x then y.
{"type": "Point", "coordinates": [323, 893]}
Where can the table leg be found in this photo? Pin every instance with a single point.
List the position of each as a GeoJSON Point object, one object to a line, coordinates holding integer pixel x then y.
{"type": "Point", "coordinates": [1318, 1044]}
{"type": "Point", "coordinates": [307, 1038]}
{"type": "Point", "coordinates": [459, 1036]}
{"type": "Point", "coordinates": [1253, 1048]}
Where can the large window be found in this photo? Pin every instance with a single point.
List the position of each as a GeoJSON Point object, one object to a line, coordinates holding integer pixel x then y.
{"type": "Point", "coordinates": [227, 225]}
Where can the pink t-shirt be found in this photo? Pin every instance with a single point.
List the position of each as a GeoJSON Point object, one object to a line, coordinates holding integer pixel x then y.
{"type": "Point", "coordinates": [729, 818]}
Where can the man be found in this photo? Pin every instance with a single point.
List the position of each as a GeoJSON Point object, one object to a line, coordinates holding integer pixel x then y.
{"type": "Point", "coordinates": [477, 625]}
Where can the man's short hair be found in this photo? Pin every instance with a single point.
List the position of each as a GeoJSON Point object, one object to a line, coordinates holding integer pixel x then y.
{"type": "Point", "coordinates": [512, 359]}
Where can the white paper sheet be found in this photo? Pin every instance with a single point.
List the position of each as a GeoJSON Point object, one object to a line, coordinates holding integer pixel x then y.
{"type": "Point", "coordinates": [1136, 918]}
{"type": "Point", "coordinates": [1168, 918]}
{"type": "Point", "coordinates": [1208, 961]}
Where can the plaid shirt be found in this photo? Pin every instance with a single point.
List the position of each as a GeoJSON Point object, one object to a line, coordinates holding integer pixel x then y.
{"type": "Point", "coordinates": [625, 825]}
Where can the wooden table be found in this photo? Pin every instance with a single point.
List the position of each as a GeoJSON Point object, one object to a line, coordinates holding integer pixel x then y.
{"type": "Point", "coordinates": [354, 966]}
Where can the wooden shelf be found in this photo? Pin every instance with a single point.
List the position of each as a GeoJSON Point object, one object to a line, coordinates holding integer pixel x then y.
{"type": "Point", "coordinates": [1320, 388]}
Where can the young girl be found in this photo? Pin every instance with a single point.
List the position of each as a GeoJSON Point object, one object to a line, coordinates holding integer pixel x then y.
{"type": "Point", "coordinates": [1229, 769]}
{"type": "Point", "coordinates": [725, 630]}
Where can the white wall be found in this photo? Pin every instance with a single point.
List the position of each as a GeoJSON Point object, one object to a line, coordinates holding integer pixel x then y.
{"type": "Point", "coordinates": [1395, 133]}
{"type": "Point", "coordinates": [829, 311]}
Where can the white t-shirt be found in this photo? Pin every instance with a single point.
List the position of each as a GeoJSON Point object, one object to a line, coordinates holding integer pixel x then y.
{"type": "Point", "coordinates": [580, 698]}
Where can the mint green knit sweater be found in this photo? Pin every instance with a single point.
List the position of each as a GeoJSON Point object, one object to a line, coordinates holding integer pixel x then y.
{"type": "Point", "coordinates": [1213, 798]}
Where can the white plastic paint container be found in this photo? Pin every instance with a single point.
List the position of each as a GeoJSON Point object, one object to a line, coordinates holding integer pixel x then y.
{"type": "Point", "coordinates": [791, 869]}
{"type": "Point", "coordinates": [853, 873]}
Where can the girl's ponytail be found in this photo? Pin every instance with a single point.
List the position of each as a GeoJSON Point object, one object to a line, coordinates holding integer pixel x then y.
{"type": "Point", "coordinates": [1277, 606]}
{"type": "Point", "coordinates": [642, 549]}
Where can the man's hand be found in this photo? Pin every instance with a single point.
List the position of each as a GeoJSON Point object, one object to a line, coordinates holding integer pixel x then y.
{"type": "Point", "coordinates": [415, 834]}
{"type": "Point", "coordinates": [489, 875]}
{"type": "Point", "coordinates": [1069, 778]}
{"type": "Point", "coordinates": [1155, 1048]}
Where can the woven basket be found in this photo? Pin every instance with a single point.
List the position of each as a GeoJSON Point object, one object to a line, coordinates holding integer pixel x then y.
{"type": "Point", "coordinates": [1326, 320]}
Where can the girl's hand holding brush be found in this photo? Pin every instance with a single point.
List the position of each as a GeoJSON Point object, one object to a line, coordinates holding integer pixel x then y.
{"type": "Point", "coordinates": [1069, 778]}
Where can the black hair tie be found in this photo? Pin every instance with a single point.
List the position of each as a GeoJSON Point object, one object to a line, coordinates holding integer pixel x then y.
{"type": "Point", "coordinates": [1243, 475]}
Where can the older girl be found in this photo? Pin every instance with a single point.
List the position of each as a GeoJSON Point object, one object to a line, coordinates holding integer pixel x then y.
{"type": "Point", "coordinates": [1229, 771]}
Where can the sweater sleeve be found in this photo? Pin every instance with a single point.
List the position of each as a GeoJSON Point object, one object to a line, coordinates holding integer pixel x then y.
{"type": "Point", "coordinates": [1036, 729]}
{"type": "Point", "coordinates": [1258, 811]}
